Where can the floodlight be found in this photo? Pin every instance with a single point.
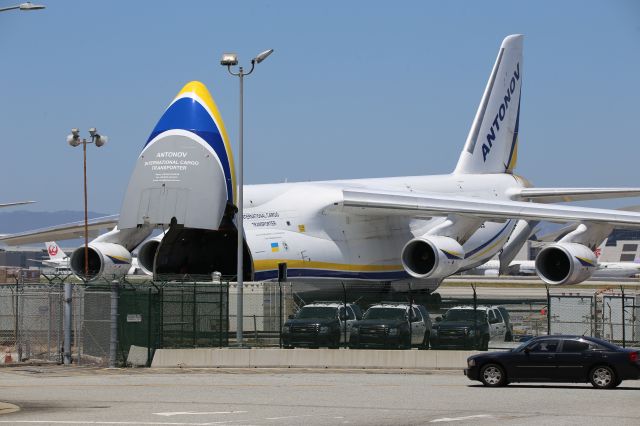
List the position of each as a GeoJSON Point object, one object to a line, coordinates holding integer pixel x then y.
{"type": "Point", "coordinates": [229, 59]}
{"type": "Point", "coordinates": [74, 138]}
{"type": "Point", "coordinates": [30, 6]}
{"type": "Point", "coordinates": [262, 56]}
{"type": "Point", "coordinates": [101, 140]}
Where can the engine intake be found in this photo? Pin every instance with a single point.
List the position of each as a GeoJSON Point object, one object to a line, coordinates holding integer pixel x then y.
{"type": "Point", "coordinates": [565, 263]}
{"type": "Point", "coordinates": [432, 256]}
{"type": "Point", "coordinates": [106, 260]}
{"type": "Point", "coordinates": [147, 253]}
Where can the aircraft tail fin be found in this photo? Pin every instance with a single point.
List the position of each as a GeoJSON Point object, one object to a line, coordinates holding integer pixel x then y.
{"type": "Point", "coordinates": [492, 143]}
{"type": "Point", "coordinates": [55, 252]}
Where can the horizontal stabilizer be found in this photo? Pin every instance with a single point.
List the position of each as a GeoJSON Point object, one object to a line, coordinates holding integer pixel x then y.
{"type": "Point", "coordinates": [558, 195]}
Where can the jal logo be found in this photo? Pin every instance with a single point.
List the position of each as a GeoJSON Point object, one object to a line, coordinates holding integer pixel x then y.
{"type": "Point", "coordinates": [53, 250]}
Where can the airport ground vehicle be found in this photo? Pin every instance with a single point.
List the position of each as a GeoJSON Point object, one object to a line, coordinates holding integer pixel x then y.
{"type": "Point", "coordinates": [576, 359]}
{"type": "Point", "coordinates": [320, 324]}
{"type": "Point", "coordinates": [392, 325]}
{"type": "Point", "coordinates": [468, 327]}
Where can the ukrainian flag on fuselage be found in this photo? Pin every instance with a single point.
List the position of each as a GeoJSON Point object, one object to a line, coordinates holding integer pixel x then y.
{"type": "Point", "coordinates": [194, 110]}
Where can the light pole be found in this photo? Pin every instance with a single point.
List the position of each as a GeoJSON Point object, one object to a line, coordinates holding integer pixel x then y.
{"type": "Point", "coordinates": [229, 60]}
{"type": "Point", "coordinates": [24, 6]}
{"type": "Point", "coordinates": [74, 140]}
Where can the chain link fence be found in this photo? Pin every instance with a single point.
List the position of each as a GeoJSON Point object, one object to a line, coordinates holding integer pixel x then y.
{"type": "Point", "coordinates": [189, 312]}
{"type": "Point", "coordinates": [151, 314]}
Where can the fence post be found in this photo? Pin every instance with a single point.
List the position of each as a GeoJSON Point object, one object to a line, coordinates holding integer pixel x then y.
{"type": "Point", "coordinates": [280, 314]}
{"type": "Point", "coordinates": [282, 276]}
{"type": "Point", "coordinates": [344, 321]}
{"type": "Point", "coordinates": [67, 323]}
{"type": "Point", "coordinates": [16, 323]}
{"type": "Point", "coordinates": [548, 310]}
{"type": "Point", "coordinates": [624, 331]}
{"type": "Point", "coordinates": [113, 342]}
{"type": "Point", "coordinates": [149, 322]}
{"type": "Point", "coordinates": [475, 310]}
{"type": "Point", "coordinates": [410, 312]}
{"type": "Point", "coordinates": [193, 317]}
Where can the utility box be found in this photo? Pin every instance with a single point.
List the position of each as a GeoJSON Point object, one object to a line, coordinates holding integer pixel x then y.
{"type": "Point", "coordinates": [261, 309]}
{"type": "Point", "coordinates": [572, 314]}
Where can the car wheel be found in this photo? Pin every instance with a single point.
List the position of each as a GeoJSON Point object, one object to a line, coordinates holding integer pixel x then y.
{"type": "Point", "coordinates": [603, 377]}
{"type": "Point", "coordinates": [493, 375]}
{"type": "Point", "coordinates": [425, 341]}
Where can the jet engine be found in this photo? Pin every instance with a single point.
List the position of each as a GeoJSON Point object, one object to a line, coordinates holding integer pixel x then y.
{"type": "Point", "coordinates": [108, 260]}
{"type": "Point", "coordinates": [147, 253]}
{"type": "Point", "coordinates": [432, 256]}
{"type": "Point", "coordinates": [565, 263]}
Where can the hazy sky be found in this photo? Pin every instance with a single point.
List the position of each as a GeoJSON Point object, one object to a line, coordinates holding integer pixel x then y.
{"type": "Point", "coordinates": [354, 88]}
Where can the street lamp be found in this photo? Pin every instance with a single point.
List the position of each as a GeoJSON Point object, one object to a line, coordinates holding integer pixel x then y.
{"type": "Point", "coordinates": [228, 60]}
{"type": "Point", "coordinates": [24, 6]}
{"type": "Point", "coordinates": [74, 140]}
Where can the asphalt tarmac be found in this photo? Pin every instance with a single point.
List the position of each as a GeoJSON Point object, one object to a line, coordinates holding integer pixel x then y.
{"type": "Point", "coordinates": [84, 396]}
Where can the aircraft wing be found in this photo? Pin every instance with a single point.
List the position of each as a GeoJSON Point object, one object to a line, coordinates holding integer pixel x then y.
{"type": "Point", "coordinates": [429, 205]}
{"type": "Point", "coordinates": [60, 232]}
{"type": "Point", "coordinates": [17, 203]}
{"type": "Point", "coordinates": [558, 195]}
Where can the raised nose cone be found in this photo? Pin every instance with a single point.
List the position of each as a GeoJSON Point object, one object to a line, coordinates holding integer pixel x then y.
{"type": "Point", "coordinates": [185, 170]}
{"type": "Point", "coordinates": [194, 109]}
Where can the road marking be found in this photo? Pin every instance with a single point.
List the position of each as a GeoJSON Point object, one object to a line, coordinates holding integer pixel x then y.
{"type": "Point", "coordinates": [291, 417]}
{"type": "Point", "coordinates": [194, 413]}
{"type": "Point", "coordinates": [6, 408]}
{"type": "Point", "coordinates": [457, 419]}
{"type": "Point", "coordinates": [91, 422]}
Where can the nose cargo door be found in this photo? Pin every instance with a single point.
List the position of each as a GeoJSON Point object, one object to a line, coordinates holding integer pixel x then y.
{"type": "Point", "coordinates": [184, 175]}
{"type": "Point", "coordinates": [183, 181]}
{"type": "Point", "coordinates": [176, 177]}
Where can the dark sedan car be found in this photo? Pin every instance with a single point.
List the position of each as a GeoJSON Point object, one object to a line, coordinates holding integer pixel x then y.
{"type": "Point", "coordinates": [572, 359]}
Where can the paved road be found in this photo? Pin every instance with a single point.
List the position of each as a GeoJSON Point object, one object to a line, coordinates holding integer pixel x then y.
{"type": "Point", "coordinates": [57, 395]}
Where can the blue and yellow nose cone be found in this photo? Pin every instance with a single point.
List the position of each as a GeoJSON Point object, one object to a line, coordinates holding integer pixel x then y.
{"type": "Point", "coordinates": [184, 174]}
{"type": "Point", "coordinates": [195, 111]}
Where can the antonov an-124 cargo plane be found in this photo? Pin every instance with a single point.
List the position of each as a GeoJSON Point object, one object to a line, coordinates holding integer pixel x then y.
{"type": "Point", "coordinates": [383, 231]}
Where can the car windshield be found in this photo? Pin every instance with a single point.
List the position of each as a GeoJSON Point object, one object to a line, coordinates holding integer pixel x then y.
{"type": "Point", "coordinates": [319, 312]}
{"type": "Point", "coordinates": [464, 315]}
{"type": "Point", "coordinates": [385, 313]}
{"type": "Point", "coordinates": [521, 346]}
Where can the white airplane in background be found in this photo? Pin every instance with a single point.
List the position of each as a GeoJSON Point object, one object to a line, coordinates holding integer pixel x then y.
{"type": "Point", "coordinates": [17, 203]}
{"type": "Point", "coordinates": [59, 260]}
{"type": "Point", "coordinates": [528, 267]}
{"type": "Point", "coordinates": [384, 232]}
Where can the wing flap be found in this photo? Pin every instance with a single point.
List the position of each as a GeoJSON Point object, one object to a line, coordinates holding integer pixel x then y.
{"type": "Point", "coordinates": [60, 232]}
{"type": "Point", "coordinates": [559, 195]}
{"type": "Point", "coordinates": [427, 205]}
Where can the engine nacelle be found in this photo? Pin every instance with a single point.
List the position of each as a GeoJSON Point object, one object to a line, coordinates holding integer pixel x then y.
{"type": "Point", "coordinates": [108, 260]}
{"type": "Point", "coordinates": [147, 253]}
{"type": "Point", "coordinates": [565, 263]}
{"type": "Point", "coordinates": [432, 256]}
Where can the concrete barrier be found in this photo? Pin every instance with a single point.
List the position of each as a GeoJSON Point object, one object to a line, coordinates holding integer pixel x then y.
{"type": "Point", "coordinates": [310, 358]}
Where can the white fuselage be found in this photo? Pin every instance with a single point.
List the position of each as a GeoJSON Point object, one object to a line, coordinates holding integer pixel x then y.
{"type": "Point", "coordinates": [528, 267]}
{"type": "Point", "coordinates": [302, 225]}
